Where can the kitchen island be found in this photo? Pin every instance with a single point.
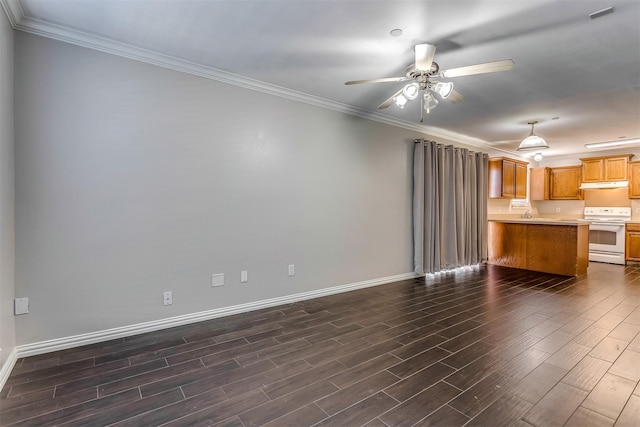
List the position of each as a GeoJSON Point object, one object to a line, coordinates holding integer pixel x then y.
{"type": "Point", "coordinates": [540, 244]}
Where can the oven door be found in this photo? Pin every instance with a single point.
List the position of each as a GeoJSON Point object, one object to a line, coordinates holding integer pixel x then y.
{"type": "Point", "coordinates": [606, 238]}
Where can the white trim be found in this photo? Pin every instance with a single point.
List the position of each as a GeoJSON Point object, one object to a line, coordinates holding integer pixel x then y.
{"type": "Point", "coordinates": [7, 367]}
{"type": "Point", "coordinates": [140, 328]}
{"type": "Point", "coordinates": [13, 10]}
{"type": "Point", "coordinates": [79, 38]}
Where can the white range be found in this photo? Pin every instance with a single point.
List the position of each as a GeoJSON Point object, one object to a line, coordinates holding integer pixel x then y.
{"type": "Point", "coordinates": [607, 233]}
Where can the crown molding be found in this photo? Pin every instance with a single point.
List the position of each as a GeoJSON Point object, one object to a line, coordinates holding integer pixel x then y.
{"type": "Point", "coordinates": [13, 10]}
{"type": "Point", "coordinates": [45, 29]}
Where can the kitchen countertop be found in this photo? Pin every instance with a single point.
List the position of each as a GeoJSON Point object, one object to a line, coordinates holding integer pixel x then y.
{"type": "Point", "coordinates": [542, 221]}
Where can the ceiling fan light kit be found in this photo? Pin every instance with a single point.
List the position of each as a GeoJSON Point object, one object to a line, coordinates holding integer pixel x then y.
{"type": "Point", "coordinates": [421, 73]}
{"type": "Point", "coordinates": [533, 141]}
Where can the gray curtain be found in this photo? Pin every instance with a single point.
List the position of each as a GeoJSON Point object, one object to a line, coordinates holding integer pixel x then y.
{"type": "Point", "coordinates": [449, 207]}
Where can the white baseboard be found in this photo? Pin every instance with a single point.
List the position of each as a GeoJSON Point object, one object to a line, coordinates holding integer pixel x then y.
{"type": "Point", "coordinates": [7, 367]}
{"type": "Point", "coordinates": [140, 328]}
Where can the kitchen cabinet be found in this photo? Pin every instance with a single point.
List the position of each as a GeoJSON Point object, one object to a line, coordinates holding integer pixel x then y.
{"type": "Point", "coordinates": [539, 183]}
{"type": "Point", "coordinates": [507, 178]}
{"type": "Point", "coordinates": [564, 183]}
{"type": "Point", "coordinates": [549, 248]}
{"type": "Point", "coordinates": [559, 183]}
{"type": "Point", "coordinates": [634, 180]}
{"type": "Point", "coordinates": [632, 243]}
{"type": "Point", "coordinates": [606, 168]}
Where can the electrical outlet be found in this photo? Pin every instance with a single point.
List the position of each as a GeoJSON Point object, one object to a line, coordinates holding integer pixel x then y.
{"type": "Point", "coordinates": [638, 210]}
{"type": "Point", "coordinates": [217, 279]}
{"type": "Point", "coordinates": [244, 276]}
{"type": "Point", "coordinates": [21, 306]}
{"type": "Point", "coordinates": [557, 210]}
{"type": "Point", "coordinates": [292, 270]}
{"type": "Point", "coordinates": [168, 298]}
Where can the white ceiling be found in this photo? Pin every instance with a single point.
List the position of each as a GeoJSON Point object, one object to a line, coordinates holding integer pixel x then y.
{"type": "Point", "coordinates": [584, 71]}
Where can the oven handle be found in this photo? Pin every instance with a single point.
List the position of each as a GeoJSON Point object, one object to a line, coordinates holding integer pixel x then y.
{"type": "Point", "coordinates": [606, 227]}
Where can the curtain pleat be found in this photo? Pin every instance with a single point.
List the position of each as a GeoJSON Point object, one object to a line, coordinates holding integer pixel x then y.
{"type": "Point", "coordinates": [449, 207]}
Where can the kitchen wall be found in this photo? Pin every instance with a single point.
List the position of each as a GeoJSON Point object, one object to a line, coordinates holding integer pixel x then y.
{"type": "Point", "coordinates": [132, 180]}
{"type": "Point", "coordinates": [594, 197]}
{"type": "Point", "coordinates": [7, 197]}
{"type": "Point", "coordinates": [500, 208]}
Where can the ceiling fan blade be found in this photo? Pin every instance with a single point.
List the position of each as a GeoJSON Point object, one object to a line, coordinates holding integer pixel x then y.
{"type": "Point", "coordinates": [389, 101]}
{"type": "Point", "coordinates": [487, 67]}
{"type": "Point", "coordinates": [424, 56]}
{"type": "Point", "coordinates": [383, 80]}
{"type": "Point", "coordinates": [455, 97]}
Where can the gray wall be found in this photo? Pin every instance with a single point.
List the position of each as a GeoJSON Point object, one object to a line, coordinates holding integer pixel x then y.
{"type": "Point", "coordinates": [133, 179]}
{"type": "Point", "coordinates": [7, 205]}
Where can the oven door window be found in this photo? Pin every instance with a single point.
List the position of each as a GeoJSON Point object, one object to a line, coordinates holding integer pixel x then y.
{"type": "Point", "coordinates": [603, 237]}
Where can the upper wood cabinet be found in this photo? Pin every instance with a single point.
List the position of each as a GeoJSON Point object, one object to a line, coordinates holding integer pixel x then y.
{"type": "Point", "coordinates": [539, 184]}
{"type": "Point", "coordinates": [606, 168]}
{"type": "Point", "coordinates": [634, 180]}
{"type": "Point", "coordinates": [564, 183]}
{"type": "Point", "coordinates": [507, 178]}
{"type": "Point", "coordinates": [559, 183]}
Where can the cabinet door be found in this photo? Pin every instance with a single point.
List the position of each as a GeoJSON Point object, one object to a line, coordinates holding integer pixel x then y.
{"type": "Point", "coordinates": [539, 182]}
{"type": "Point", "coordinates": [508, 178]}
{"type": "Point", "coordinates": [632, 246]}
{"type": "Point", "coordinates": [521, 181]}
{"type": "Point", "coordinates": [634, 180]}
{"type": "Point", "coordinates": [615, 169]}
{"type": "Point", "coordinates": [592, 170]}
{"type": "Point", "coordinates": [564, 183]}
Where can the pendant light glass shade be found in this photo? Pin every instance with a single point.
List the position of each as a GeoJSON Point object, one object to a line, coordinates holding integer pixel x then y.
{"type": "Point", "coordinates": [533, 141]}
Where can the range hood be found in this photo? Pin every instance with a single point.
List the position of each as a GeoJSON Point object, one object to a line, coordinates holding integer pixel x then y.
{"type": "Point", "coordinates": [608, 184]}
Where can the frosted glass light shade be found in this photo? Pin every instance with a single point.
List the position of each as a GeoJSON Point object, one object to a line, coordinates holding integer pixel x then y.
{"type": "Point", "coordinates": [400, 100]}
{"type": "Point", "coordinates": [411, 91]}
{"type": "Point", "coordinates": [443, 89]}
{"type": "Point", "coordinates": [533, 142]}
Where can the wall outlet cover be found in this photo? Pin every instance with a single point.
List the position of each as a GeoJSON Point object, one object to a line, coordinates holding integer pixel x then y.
{"type": "Point", "coordinates": [167, 298]}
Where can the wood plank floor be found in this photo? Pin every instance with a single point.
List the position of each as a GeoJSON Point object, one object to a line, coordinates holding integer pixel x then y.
{"type": "Point", "coordinates": [489, 346]}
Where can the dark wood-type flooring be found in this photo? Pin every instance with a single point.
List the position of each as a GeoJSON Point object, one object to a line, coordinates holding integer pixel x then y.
{"type": "Point", "coordinates": [489, 346]}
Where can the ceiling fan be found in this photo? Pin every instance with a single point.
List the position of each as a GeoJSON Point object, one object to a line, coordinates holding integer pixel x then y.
{"type": "Point", "coordinates": [423, 74]}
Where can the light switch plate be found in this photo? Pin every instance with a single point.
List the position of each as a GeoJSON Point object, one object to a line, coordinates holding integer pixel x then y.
{"type": "Point", "coordinates": [217, 279]}
{"type": "Point", "coordinates": [244, 276]}
{"type": "Point", "coordinates": [292, 270]}
{"type": "Point", "coordinates": [21, 306]}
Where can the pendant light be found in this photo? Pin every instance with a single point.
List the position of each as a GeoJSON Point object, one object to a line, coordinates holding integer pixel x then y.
{"type": "Point", "coordinates": [533, 141]}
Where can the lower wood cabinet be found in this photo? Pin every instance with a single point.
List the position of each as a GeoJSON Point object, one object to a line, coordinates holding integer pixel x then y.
{"type": "Point", "coordinates": [556, 249]}
{"type": "Point", "coordinates": [632, 243]}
